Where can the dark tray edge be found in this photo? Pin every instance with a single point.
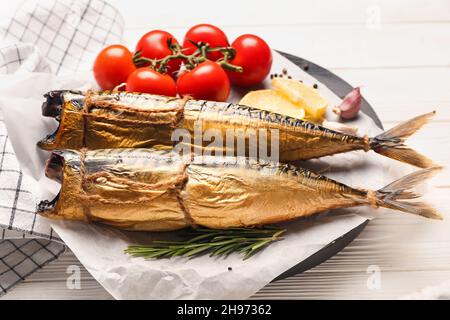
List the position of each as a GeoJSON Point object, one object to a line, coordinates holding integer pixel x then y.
{"type": "Point", "coordinates": [340, 87]}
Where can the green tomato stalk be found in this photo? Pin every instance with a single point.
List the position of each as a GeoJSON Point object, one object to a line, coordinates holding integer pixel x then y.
{"type": "Point", "coordinates": [190, 61]}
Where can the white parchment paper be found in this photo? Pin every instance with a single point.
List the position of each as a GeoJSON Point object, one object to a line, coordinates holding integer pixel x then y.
{"type": "Point", "coordinates": [100, 249]}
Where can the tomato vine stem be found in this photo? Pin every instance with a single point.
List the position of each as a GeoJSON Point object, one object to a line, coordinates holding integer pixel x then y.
{"type": "Point", "coordinates": [190, 61]}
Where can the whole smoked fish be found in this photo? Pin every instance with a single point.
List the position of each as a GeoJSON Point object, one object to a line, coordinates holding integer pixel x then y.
{"type": "Point", "coordinates": [103, 120]}
{"type": "Point", "coordinates": [157, 190]}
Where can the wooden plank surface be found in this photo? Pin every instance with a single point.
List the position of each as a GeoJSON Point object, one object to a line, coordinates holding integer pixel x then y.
{"type": "Point", "coordinates": [347, 46]}
{"type": "Point", "coordinates": [399, 51]}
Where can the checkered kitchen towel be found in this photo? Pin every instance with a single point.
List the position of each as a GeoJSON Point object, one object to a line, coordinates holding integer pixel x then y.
{"type": "Point", "coordinates": [62, 37]}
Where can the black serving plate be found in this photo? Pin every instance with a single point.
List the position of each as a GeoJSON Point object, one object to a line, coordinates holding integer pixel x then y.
{"type": "Point", "coordinates": [340, 88]}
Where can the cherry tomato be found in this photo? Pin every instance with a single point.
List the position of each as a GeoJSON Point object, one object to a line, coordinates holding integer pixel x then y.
{"type": "Point", "coordinates": [205, 33]}
{"type": "Point", "coordinates": [254, 55]}
{"type": "Point", "coordinates": [147, 80]}
{"type": "Point", "coordinates": [154, 45]}
{"type": "Point", "coordinates": [112, 66]}
{"type": "Point", "coordinates": [206, 81]}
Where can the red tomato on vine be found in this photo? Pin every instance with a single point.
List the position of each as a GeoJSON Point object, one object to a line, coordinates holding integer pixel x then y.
{"type": "Point", "coordinates": [254, 56]}
{"type": "Point", "coordinates": [207, 81]}
{"type": "Point", "coordinates": [146, 80]}
{"type": "Point", "coordinates": [205, 33]}
{"type": "Point", "coordinates": [155, 45]}
{"type": "Point", "coordinates": [112, 66]}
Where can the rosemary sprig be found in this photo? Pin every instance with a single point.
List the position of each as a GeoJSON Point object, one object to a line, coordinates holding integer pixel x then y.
{"type": "Point", "coordinates": [215, 242]}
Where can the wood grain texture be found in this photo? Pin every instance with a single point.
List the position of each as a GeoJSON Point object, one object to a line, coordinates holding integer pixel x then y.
{"type": "Point", "coordinates": [399, 52]}
{"type": "Point", "coordinates": [267, 13]}
{"type": "Point", "coordinates": [347, 46]}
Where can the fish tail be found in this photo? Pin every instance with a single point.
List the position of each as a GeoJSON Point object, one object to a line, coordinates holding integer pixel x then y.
{"type": "Point", "coordinates": [391, 142]}
{"type": "Point", "coordinates": [396, 194]}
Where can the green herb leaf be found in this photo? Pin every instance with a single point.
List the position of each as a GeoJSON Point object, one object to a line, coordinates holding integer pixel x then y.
{"type": "Point", "coordinates": [216, 243]}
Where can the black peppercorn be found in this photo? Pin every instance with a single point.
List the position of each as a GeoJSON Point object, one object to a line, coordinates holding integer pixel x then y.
{"type": "Point", "coordinates": [315, 86]}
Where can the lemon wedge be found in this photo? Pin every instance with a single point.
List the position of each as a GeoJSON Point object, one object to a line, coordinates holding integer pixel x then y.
{"type": "Point", "coordinates": [271, 100]}
{"type": "Point", "coordinates": [303, 95]}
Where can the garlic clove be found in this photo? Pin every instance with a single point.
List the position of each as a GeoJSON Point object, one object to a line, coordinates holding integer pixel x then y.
{"type": "Point", "coordinates": [350, 105]}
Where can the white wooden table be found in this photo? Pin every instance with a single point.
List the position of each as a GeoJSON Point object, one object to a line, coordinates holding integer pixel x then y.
{"type": "Point", "coordinates": [399, 51]}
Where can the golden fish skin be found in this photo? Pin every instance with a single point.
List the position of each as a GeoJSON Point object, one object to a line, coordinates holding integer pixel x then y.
{"type": "Point", "coordinates": [136, 190]}
{"type": "Point", "coordinates": [98, 126]}
{"type": "Point", "coordinates": [98, 120]}
{"type": "Point", "coordinates": [157, 190]}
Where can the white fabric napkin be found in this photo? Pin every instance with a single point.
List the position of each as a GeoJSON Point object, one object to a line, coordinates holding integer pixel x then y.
{"type": "Point", "coordinates": [52, 36]}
